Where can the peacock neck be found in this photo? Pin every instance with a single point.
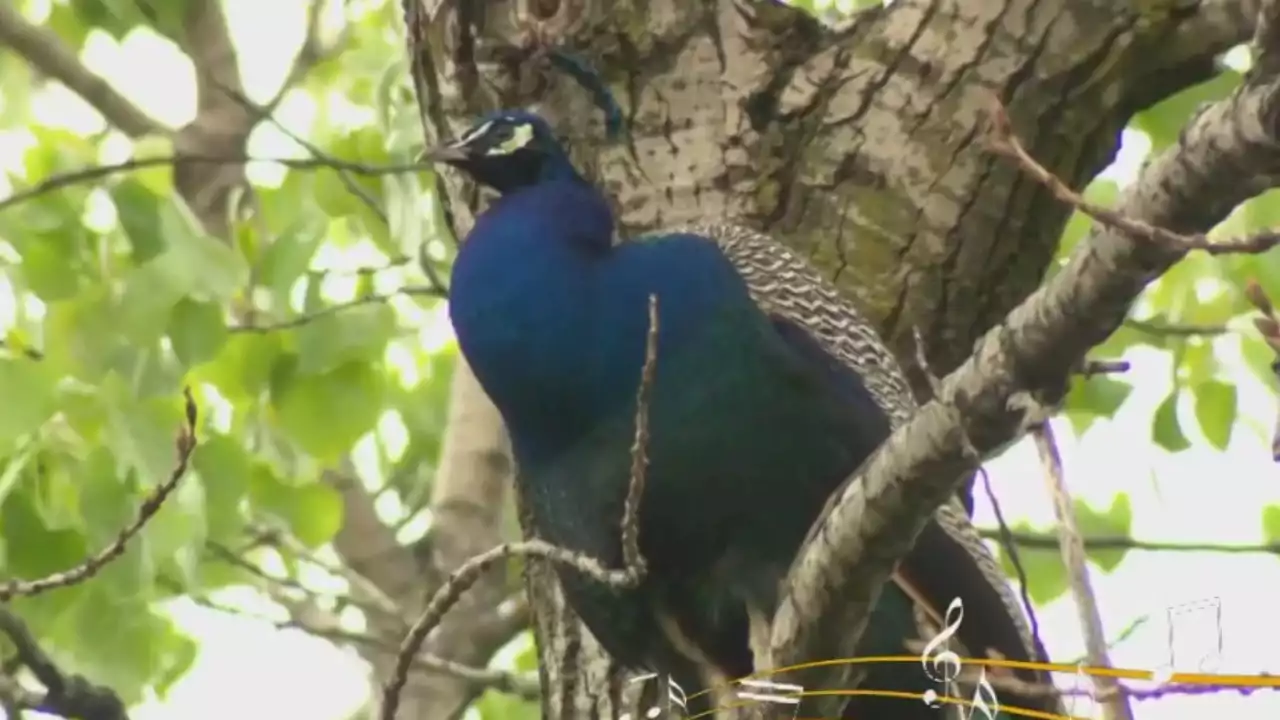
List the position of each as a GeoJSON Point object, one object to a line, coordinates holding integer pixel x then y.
{"type": "Point", "coordinates": [524, 300]}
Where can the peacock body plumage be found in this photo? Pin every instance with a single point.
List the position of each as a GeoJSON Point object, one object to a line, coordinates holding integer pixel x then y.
{"type": "Point", "coordinates": [769, 391]}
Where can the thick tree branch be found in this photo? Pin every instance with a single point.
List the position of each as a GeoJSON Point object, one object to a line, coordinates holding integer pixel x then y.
{"type": "Point", "coordinates": [65, 695]}
{"type": "Point", "coordinates": [46, 52]}
{"type": "Point", "coordinates": [1018, 369]}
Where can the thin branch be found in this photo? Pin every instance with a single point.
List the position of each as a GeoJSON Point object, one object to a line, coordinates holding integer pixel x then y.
{"type": "Point", "coordinates": [46, 52]}
{"type": "Point", "coordinates": [1073, 556]}
{"type": "Point", "coordinates": [306, 318]}
{"type": "Point", "coordinates": [330, 629]}
{"type": "Point", "coordinates": [275, 582]}
{"type": "Point", "coordinates": [1011, 550]}
{"type": "Point", "coordinates": [88, 175]}
{"type": "Point", "coordinates": [1049, 541]}
{"type": "Point", "coordinates": [68, 696]}
{"type": "Point", "coordinates": [186, 445]}
{"type": "Point", "coordinates": [310, 54]}
{"type": "Point", "coordinates": [1163, 329]}
{"type": "Point", "coordinates": [633, 563]}
{"type": "Point", "coordinates": [285, 541]}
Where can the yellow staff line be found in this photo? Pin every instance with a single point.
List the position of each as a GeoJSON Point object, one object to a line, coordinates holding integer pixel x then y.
{"type": "Point", "coordinates": [1022, 712]}
{"type": "Point", "coordinates": [1123, 673]}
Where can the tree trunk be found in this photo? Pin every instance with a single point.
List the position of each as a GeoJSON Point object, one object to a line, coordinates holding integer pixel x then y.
{"type": "Point", "coordinates": [860, 147]}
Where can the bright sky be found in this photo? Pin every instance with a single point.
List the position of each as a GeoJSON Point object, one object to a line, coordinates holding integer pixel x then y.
{"type": "Point", "coordinates": [249, 670]}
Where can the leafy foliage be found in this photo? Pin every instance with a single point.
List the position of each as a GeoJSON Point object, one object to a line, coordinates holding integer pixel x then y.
{"type": "Point", "coordinates": [114, 297]}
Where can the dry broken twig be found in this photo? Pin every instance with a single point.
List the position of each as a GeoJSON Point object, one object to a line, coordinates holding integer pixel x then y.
{"type": "Point", "coordinates": [186, 445]}
{"type": "Point", "coordinates": [465, 576]}
{"type": "Point", "coordinates": [1073, 556]}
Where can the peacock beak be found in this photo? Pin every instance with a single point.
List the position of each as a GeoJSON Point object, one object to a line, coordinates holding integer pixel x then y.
{"type": "Point", "coordinates": [451, 153]}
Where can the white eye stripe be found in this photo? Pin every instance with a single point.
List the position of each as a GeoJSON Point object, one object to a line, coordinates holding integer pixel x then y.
{"type": "Point", "coordinates": [521, 135]}
{"type": "Point", "coordinates": [474, 133]}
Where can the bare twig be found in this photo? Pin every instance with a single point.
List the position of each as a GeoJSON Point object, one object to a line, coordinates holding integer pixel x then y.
{"type": "Point", "coordinates": [1073, 556]}
{"type": "Point", "coordinates": [68, 696]}
{"type": "Point", "coordinates": [186, 444]}
{"type": "Point", "coordinates": [330, 629]}
{"type": "Point", "coordinates": [1011, 550]}
{"type": "Point", "coordinates": [306, 318]}
{"type": "Point", "coordinates": [464, 577]}
{"type": "Point", "coordinates": [639, 449]}
{"type": "Point", "coordinates": [1163, 329]}
{"type": "Point", "coordinates": [310, 54]}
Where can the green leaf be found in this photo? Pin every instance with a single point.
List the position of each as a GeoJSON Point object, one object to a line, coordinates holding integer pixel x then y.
{"type": "Point", "coordinates": [1215, 403]}
{"type": "Point", "coordinates": [1165, 428]}
{"type": "Point", "coordinates": [110, 504]}
{"type": "Point", "coordinates": [30, 398]}
{"type": "Point", "coordinates": [327, 412]}
{"type": "Point", "coordinates": [313, 511]}
{"type": "Point", "coordinates": [223, 467]}
{"type": "Point", "coordinates": [175, 535]}
{"type": "Point", "coordinates": [242, 368]}
{"type": "Point", "coordinates": [316, 514]}
{"type": "Point", "coordinates": [1115, 522]}
{"type": "Point", "coordinates": [48, 265]}
{"type": "Point", "coordinates": [56, 491]}
{"type": "Point", "coordinates": [1103, 192]}
{"type": "Point", "coordinates": [1163, 121]}
{"type": "Point", "coordinates": [494, 705]}
{"type": "Point", "coordinates": [147, 303]}
{"type": "Point", "coordinates": [139, 210]}
{"type": "Point", "coordinates": [198, 331]}
{"type": "Point", "coordinates": [358, 333]}
{"type": "Point", "coordinates": [1046, 575]}
{"type": "Point", "coordinates": [156, 178]}
{"type": "Point", "coordinates": [80, 334]}
{"type": "Point", "coordinates": [1094, 397]}
{"type": "Point", "coordinates": [1271, 523]}
{"type": "Point", "coordinates": [42, 551]}
{"type": "Point", "coordinates": [142, 431]}
{"type": "Point", "coordinates": [202, 267]}
{"type": "Point", "coordinates": [288, 257]}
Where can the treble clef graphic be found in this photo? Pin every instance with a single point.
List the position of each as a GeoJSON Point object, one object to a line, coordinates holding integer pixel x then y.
{"type": "Point", "coordinates": [945, 666]}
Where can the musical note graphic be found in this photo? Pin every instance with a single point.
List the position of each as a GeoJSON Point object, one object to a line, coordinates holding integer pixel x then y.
{"type": "Point", "coordinates": [947, 658]}
{"type": "Point", "coordinates": [984, 698]}
{"type": "Point", "coordinates": [1081, 682]}
{"type": "Point", "coordinates": [793, 699]}
{"type": "Point", "coordinates": [675, 695]}
{"type": "Point", "coordinates": [1201, 639]}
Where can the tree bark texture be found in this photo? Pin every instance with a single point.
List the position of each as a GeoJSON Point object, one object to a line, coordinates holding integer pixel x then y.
{"type": "Point", "coordinates": [860, 147]}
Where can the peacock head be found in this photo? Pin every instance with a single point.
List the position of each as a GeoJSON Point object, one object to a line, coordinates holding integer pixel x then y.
{"type": "Point", "coordinates": [506, 151]}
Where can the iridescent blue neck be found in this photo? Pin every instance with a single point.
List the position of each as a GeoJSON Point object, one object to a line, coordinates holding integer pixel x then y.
{"type": "Point", "coordinates": [521, 301]}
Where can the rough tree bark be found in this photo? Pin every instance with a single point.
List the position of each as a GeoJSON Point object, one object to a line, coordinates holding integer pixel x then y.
{"type": "Point", "coordinates": [860, 147]}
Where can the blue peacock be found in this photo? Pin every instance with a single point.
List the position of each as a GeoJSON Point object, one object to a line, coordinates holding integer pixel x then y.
{"type": "Point", "coordinates": [769, 390]}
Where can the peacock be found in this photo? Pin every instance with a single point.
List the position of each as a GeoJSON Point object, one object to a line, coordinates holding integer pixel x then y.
{"type": "Point", "coordinates": [769, 390]}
